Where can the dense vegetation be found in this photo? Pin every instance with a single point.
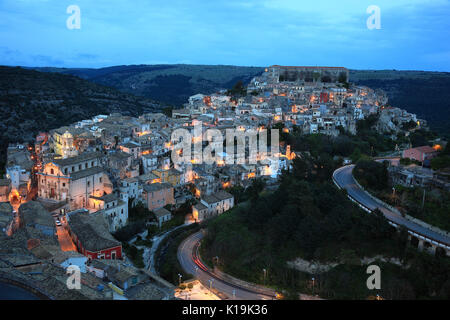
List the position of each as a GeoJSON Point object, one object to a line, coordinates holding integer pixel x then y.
{"type": "Point", "coordinates": [372, 174]}
{"type": "Point", "coordinates": [423, 93]}
{"type": "Point", "coordinates": [442, 161]}
{"type": "Point", "coordinates": [134, 254]}
{"type": "Point", "coordinates": [366, 143]}
{"type": "Point", "coordinates": [431, 205]}
{"type": "Point", "coordinates": [308, 217]}
{"type": "Point", "coordinates": [171, 84]}
{"type": "Point", "coordinates": [434, 208]}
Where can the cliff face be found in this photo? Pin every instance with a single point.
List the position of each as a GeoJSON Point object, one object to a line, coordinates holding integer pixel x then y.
{"type": "Point", "coordinates": [385, 124]}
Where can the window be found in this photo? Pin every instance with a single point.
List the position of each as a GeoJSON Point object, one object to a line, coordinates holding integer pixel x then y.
{"type": "Point", "coordinates": [52, 171]}
{"type": "Point", "coordinates": [100, 179]}
{"type": "Point", "coordinates": [86, 165]}
{"type": "Point", "coordinates": [92, 163]}
{"type": "Point", "coordinates": [65, 170]}
{"type": "Point", "coordinates": [88, 183]}
{"type": "Point", "coordinates": [73, 169]}
{"type": "Point", "coordinates": [64, 184]}
{"type": "Point", "coordinates": [79, 167]}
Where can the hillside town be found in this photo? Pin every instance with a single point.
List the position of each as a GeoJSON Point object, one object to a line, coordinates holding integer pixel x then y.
{"type": "Point", "coordinates": [64, 197]}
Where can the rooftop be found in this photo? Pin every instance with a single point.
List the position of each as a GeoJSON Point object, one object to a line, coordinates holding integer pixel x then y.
{"type": "Point", "coordinates": [85, 156]}
{"type": "Point", "coordinates": [161, 212]}
{"type": "Point", "coordinates": [85, 173]}
{"type": "Point", "coordinates": [107, 197]}
{"type": "Point", "coordinates": [157, 186]}
{"type": "Point", "coordinates": [34, 212]}
{"type": "Point", "coordinates": [92, 231]}
{"type": "Point", "coordinates": [223, 195]}
{"type": "Point", "coordinates": [210, 199]}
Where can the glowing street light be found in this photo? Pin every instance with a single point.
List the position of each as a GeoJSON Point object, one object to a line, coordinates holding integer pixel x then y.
{"type": "Point", "coordinates": [179, 278]}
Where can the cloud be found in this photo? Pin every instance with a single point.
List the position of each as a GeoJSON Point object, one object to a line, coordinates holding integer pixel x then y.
{"type": "Point", "coordinates": [243, 32]}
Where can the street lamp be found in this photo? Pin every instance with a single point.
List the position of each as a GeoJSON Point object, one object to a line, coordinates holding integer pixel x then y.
{"type": "Point", "coordinates": [210, 283]}
{"type": "Point", "coordinates": [313, 283]}
{"type": "Point", "coordinates": [234, 294]}
{"type": "Point", "coordinates": [393, 194]}
{"type": "Point", "coordinates": [265, 271]}
{"type": "Point", "coordinates": [179, 278]}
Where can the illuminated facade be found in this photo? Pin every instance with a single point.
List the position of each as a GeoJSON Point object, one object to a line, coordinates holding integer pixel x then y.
{"type": "Point", "coordinates": [73, 180]}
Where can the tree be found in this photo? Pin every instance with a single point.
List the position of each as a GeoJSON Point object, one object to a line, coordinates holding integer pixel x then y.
{"type": "Point", "coordinates": [342, 77]}
{"type": "Point", "coordinates": [371, 174]}
{"type": "Point", "coordinates": [255, 188]}
{"type": "Point", "coordinates": [238, 89]}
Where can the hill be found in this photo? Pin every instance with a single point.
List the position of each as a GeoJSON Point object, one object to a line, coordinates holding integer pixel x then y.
{"type": "Point", "coordinates": [33, 101]}
{"type": "Point", "coordinates": [171, 84]}
{"type": "Point", "coordinates": [422, 92]}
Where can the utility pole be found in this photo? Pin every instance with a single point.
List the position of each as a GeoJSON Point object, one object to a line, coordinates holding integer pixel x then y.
{"type": "Point", "coordinates": [210, 283]}
{"type": "Point", "coordinates": [393, 194]}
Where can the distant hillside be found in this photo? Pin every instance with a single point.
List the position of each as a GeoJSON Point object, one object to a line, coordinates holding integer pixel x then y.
{"type": "Point", "coordinates": [171, 84]}
{"type": "Point", "coordinates": [31, 101]}
{"type": "Point", "coordinates": [424, 93]}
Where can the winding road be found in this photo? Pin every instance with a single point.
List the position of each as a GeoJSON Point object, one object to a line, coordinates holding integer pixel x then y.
{"type": "Point", "coordinates": [187, 256]}
{"type": "Point", "coordinates": [344, 179]}
{"type": "Point", "coordinates": [233, 288]}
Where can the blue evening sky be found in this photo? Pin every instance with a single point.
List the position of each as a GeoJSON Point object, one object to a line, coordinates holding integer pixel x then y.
{"type": "Point", "coordinates": [414, 34]}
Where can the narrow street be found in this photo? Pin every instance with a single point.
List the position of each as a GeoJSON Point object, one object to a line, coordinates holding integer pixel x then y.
{"type": "Point", "coordinates": [64, 239]}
